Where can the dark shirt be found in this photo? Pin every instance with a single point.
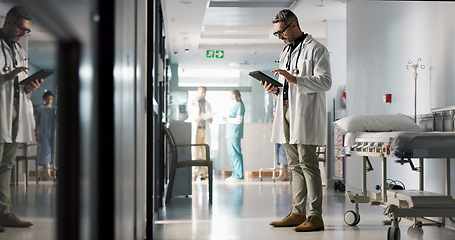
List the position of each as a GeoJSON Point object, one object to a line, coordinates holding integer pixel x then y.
{"type": "Point", "coordinates": [201, 111]}
{"type": "Point", "coordinates": [292, 47]}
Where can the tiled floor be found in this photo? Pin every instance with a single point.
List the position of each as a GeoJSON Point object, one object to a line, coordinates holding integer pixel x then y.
{"type": "Point", "coordinates": [243, 211]}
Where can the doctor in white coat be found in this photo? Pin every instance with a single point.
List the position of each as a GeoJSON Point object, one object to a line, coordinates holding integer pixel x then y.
{"type": "Point", "coordinates": [16, 110]}
{"type": "Point", "coordinates": [300, 119]}
{"type": "Point", "coordinates": [198, 110]}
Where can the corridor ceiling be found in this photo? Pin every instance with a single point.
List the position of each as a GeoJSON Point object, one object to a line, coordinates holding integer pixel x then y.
{"type": "Point", "coordinates": [242, 30]}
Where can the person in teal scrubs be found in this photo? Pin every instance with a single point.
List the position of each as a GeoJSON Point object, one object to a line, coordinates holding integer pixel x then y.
{"type": "Point", "coordinates": [234, 134]}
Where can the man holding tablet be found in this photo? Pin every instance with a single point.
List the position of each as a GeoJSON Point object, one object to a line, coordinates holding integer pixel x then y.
{"type": "Point", "coordinates": [300, 119]}
{"type": "Point", "coordinates": [16, 109]}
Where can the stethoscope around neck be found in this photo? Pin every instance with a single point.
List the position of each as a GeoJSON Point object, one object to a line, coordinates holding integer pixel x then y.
{"type": "Point", "coordinates": [7, 68]}
{"type": "Point", "coordinates": [287, 49]}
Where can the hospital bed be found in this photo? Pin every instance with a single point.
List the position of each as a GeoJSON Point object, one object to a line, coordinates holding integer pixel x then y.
{"type": "Point", "coordinates": [415, 205]}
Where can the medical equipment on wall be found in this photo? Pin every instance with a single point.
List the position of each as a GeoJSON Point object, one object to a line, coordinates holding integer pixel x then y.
{"type": "Point", "coordinates": [415, 66]}
{"type": "Point", "coordinates": [287, 49]}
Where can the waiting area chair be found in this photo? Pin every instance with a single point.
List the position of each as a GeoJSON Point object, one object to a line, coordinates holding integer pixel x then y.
{"type": "Point", "coordinates": [25, 154]}
{"type": "Point", "coordinates": [175, 163]}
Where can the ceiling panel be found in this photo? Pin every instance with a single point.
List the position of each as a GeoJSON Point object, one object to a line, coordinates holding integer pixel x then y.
{"type": "Point", "coordinates": [251, 4]}
{"type": "Point", "coordinates": [243, 29]}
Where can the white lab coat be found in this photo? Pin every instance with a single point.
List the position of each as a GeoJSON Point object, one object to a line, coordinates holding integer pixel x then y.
{"type": "Point", "coordinates": [26, 122]}
{"type": "Point", "coordinates": [193, 113]}
{"type": "Point", "coordinates": [307, 98]}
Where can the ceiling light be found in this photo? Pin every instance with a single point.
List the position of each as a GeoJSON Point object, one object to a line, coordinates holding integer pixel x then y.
{"type": "Point", "coordinates": [251, 4]}
{"type": "Point", "coordinates": [209, 73]}
{"type": "Point", "coordinates": [240, 64]}
{"type": "Point", "coordinates": [318, 5]}
{"type": "Point", "coordinates": [186, 47]}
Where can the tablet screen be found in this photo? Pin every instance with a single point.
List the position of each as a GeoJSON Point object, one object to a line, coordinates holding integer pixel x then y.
{"type": "Point", "coordinates": [260, 76]}
{"type": "Point", "coordinates": [41, 74]}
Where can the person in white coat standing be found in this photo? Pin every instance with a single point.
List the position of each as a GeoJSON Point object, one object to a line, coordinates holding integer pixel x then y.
{"type": "Point", "coordinates": [300, 119]}
{"type": "Point", "coordinates": [16, 109]}
{"type": "Point", "coordinates": [199, 112]}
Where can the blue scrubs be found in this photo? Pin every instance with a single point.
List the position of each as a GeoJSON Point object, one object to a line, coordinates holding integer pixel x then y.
{"type": "Point", "coordinates": [234, 134]}
{"type": "Point", "coordinates": [280, 155]}
{"type": "Point", "coordinates": [46, 135]}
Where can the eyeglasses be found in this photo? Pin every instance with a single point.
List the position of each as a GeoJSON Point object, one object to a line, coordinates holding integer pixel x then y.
{"type": "Point", "coordinates": [280, 33]}
{"type": "Point", "coordinates": [26, 30]}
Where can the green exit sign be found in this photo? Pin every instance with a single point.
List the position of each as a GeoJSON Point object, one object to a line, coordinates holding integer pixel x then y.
{"type": "Point", "coordinates": [214, 54]}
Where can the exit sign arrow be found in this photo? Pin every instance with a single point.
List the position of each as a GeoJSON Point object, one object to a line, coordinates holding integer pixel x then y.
{"type": "Point", "coordinates": [219, 54]}
{"type": "Point", "coordinates": [214, 54]}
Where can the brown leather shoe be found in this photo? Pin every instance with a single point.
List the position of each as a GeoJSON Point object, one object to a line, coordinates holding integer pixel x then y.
{"type": "Point", "coordinates": [312, 223]}
{"type": "Point", "coordinates": [2, 229]}
{"type": "Point", "coordinates": [9, 220]}
{"type": "Point", "coordinates": [290, 220]}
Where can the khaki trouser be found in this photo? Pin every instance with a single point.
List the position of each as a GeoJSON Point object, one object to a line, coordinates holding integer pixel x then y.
{"type": "Point", "coordinates": [7, 161]}
{"type": "Point", "coordinates": [200, 138]}
{"type": "Point", "coordinates": [306, 176]}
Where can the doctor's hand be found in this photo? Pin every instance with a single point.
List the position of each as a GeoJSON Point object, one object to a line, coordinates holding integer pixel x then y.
{"type": "Point", "coordinates": [13, 74]}
{"type": "Point", "coordinates": [286, 75]}
{"type": "Point", "coordinates": [34, 85]}
{"type": "Point", "coordinates": [268, 87]}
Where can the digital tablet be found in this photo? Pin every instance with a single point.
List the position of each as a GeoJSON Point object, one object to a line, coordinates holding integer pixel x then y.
{"type": "Point", "coordinates": [260, 76]}
{"type": "Point", "coordinates": [41, 74]}
{"type": "Point", "coordinates": [208, 115]}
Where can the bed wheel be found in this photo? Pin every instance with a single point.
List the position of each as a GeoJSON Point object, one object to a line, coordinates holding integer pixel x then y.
{"type": "Point", "coordinates": [342, 187]}
{"type": "Point", "coordinates": [393, 233]}
{"type": "Point", "coordinates": [351, 218]}
{"type": "Point", "coordinates": [339, 186]}
{"type": "Point", "coordinates": [415, 232]}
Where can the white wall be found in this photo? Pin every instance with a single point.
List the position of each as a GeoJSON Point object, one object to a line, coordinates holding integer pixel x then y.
{"type": "Point", "coordinates": [336, 44]}
{"type": "Point", "coordinates": [381, 38]}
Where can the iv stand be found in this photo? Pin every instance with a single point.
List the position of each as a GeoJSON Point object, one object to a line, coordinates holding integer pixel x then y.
{"type": "Point", "coordinates": [415, 66]}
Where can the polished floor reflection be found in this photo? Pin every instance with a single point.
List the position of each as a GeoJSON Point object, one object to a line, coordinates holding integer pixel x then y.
{"type": "Point", "coordinates": [35, 203]}
{"type": "Point", "coordinates": [243, 211]}
{"type": "Point", "coordinates": [239, 211]}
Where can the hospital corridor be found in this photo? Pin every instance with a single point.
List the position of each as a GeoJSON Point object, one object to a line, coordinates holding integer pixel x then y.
{"type": "Point", "coordinates": [239, 211]}
{"type": "Point", "coordinates": [227, 119]}
{"type": "Point", "coordinates": [243, 211]}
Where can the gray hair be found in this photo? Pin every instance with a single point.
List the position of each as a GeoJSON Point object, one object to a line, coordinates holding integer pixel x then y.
{"type": "Point", "coordinates": [286, 16]}
{"type": "Point", "coordinates": [18, 12]}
